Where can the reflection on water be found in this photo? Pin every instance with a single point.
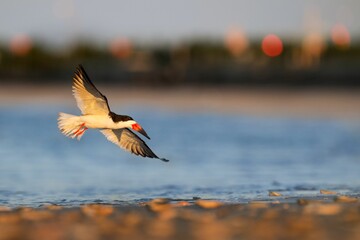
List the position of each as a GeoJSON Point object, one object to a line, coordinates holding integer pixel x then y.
{"type": "Point", "coordinates": [229, 157]}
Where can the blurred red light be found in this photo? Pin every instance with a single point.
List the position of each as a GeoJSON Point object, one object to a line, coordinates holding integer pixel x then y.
{"type": "Point", "coordinates": [121, 48]}
{"type": "Point", "coordinates": [340, 36]}
{"type": "Point", "coordinates": [20, 45]}
{"type": "Point", "coordinates": [236, 41]}
{"type": "Point", "coordinates": [272, 45]}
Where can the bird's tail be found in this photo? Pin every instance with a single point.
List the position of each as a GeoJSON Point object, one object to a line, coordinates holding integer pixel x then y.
{"type": "Point", "coordinates": [71, 126]}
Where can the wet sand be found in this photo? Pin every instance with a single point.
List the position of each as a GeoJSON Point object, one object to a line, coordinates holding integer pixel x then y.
{"type": "Point", "coordinates": [200, 219]}
{"type": "Point", "coordinates": [319, 103]}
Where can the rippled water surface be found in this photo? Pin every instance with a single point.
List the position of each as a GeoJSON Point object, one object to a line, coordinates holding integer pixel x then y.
{"type": "Point", "coordinates": [234, 158]}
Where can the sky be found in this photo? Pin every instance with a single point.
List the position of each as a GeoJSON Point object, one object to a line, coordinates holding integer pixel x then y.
{"type": "Point", "coordinates": [60, 22]}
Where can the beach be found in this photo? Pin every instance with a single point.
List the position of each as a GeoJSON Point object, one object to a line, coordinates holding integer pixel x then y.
{"type": "Point", "coordinates": [198, 219]}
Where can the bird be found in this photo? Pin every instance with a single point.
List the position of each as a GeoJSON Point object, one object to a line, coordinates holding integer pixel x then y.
{"type": "Point", "coordinates": [96, 114]}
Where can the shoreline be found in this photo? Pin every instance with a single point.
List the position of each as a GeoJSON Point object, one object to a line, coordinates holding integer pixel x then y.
{"type": "Point", "coordinates": [309, 103]}
{"type": "Point", "coordinates": [200, 219]}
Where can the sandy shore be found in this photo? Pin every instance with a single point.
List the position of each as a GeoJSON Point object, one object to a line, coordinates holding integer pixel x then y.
{"type": "Point", "coordinates": [200, 219]}
{"type": "Point", "coordinates": [328, 103]}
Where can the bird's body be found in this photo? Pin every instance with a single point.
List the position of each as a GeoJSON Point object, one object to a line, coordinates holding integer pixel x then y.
{"type": "Point", "coordinates": [96, 114]}
{"type": "Point", "coordinates": [103, 121]}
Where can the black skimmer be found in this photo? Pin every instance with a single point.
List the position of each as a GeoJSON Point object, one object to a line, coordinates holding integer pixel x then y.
{"type": "Point", "coordinates": [96, 114]}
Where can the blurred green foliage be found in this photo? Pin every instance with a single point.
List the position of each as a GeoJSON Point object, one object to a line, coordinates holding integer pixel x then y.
{"type": "Point", "coordinates": [194, 62]}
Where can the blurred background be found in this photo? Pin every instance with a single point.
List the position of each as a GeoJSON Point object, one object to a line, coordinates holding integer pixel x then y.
{"type": "Point", "coordinates": [162, 43]}
{"type": "Point", "coordinates": [242, 96]}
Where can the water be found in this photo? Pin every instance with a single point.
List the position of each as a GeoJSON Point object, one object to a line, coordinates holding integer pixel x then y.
{"type": "Point", "coordinates": [233, 158]}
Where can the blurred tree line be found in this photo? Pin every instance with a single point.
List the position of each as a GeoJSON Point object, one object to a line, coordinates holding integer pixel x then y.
{"type": "Point", "coordinates": [192, 63]}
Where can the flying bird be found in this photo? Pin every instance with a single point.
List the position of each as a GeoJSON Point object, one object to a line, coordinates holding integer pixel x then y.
{"type": "Point", "coordinates": [96, 114]}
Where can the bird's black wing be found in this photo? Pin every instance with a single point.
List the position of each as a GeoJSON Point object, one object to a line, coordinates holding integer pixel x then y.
{"type": "Point", "coordinates": [129, 141]}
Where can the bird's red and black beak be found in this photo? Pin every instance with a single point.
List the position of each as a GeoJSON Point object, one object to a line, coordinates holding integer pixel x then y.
{"type": "Point", "coordinates": [139, 129]}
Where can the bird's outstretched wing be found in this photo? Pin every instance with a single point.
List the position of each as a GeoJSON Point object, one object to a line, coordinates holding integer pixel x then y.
{"type": "Point", "coordinates": [88, 98]}
{"type": "Point", "coordinates": [129, 141]}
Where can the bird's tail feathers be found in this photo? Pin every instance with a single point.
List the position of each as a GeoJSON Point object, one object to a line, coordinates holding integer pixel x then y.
{"type": "Point", "coordinates": [71, 126]}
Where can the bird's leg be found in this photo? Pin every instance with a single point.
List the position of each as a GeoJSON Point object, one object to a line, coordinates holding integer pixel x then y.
{"type": "Point", "coordinates": [81, 132]}
{"type": "Point", "coordinates": [77, 131]}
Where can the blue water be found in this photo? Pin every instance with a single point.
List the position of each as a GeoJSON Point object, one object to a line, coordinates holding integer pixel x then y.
{"type": "Point", "coordinates": [234, 158]}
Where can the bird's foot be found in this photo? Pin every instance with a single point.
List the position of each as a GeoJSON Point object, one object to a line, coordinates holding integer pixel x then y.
{"type": "Point", "coordinates": [80, 131]}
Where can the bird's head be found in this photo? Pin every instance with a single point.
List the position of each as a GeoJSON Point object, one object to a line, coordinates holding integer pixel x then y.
{"type": "Point", "coordinates": [129, 122]}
